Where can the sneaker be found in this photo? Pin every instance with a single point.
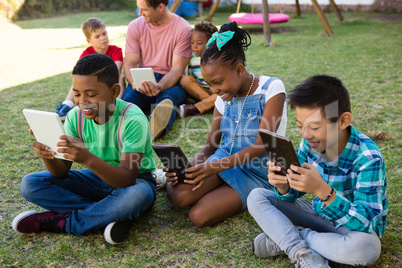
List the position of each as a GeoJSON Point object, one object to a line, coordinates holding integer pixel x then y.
{"type": "Point", "coordinates": [160, 117]}
{"type": "Point", "coordinates": [187, 110]}
{"type": "Point", "coordinates": [264, 247]}
{"type": "Point", "coordinates": [116, 232]}
{"type": "Point", "coordinates": [62, 110]}
{"type": "Point", "coordinates": [308, 258]}
{"type": "Point", "coordinates": [161, 178]}
{"type": "Point", "coordinates": [34, 222]}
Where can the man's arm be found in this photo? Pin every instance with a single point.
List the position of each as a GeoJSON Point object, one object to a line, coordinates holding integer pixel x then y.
{"type": "Point", "coordinates": [131, 60]}
{"type": "Point", "coordinates": [179, 65]}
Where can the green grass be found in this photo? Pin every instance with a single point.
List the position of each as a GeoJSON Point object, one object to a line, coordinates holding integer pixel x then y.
{"type": "Point", "coordinates": [37, 59]}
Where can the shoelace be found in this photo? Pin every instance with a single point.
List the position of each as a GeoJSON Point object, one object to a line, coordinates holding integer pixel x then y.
{"type": "Point", "coordinates": [51, 224]}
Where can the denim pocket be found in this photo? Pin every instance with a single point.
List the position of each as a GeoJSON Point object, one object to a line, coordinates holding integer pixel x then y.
{"type": "Point", "coordinates": [247, 129]}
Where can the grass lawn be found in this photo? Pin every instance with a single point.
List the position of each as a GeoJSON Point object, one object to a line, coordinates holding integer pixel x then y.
{"type": "Point", "coordinates": [35, 72]}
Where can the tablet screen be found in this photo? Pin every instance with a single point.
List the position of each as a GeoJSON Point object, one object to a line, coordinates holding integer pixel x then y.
{"type": "Point", "coordinates": [173, 158]}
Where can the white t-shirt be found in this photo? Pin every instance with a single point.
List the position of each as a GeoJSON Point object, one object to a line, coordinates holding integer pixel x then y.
{"type": "Point", "coordinates": [276, 87]}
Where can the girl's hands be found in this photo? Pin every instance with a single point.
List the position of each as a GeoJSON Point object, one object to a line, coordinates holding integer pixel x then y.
{"type": "Point", "coordinates": [171, 176]}
{"type": "Point", "coordinates": [279, 181]}
{"type": "Point", "coordinates": [74, 150]}
{"type": "Point", "coordinates": [198, 174]}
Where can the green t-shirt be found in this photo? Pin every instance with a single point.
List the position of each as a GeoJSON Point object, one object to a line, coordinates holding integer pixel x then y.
{"type": "Point", "coordinates": [101, 140]}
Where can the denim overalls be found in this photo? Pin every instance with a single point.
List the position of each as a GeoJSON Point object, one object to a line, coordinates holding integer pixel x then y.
{"type": "Point", "coordinates": [253, 174]}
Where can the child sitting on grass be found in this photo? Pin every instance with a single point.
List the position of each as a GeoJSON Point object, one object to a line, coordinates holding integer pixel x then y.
{"type": "Point", "coordinates": [95, 31]}
{"type": "Point", "coordinates": [194, 83]}
{"type": "Point", "coordinates": [233, 159]}
{"type": "Point", "coordinates": [345, 172]}
{"type": "Point", "coordinates": [112, 139]}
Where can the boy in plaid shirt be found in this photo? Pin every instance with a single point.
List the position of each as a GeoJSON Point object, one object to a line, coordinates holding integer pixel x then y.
{"type": "Point", "coordinates": [342, 168]}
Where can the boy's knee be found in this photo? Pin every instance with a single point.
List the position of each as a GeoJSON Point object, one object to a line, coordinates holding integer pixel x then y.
{"type": "Point", "coordinates": [26, 186]}
{"type": "Point", "coordinates": [366, 248]}
{"type": "Point", "coordinates": [369, 249]}
{"type": "Point", "coordinates": [256, 196]}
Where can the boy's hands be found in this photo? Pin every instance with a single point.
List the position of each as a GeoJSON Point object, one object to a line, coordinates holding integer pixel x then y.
{"type": "Point", "coordinates": [279, 181]}
{"type": "Point", "coordinates": [74, 150]}
{"type": "Point", "coordinates": [308, 180]}
{"type": "Point", "coordinates": [42, 150]}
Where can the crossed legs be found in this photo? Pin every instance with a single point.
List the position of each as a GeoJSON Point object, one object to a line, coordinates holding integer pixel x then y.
{"type": "Point", "coordinates": [214, 202]}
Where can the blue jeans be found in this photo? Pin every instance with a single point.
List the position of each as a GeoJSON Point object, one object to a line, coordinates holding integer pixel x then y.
{"type": "Point", "coordinates": [176, 94]}
{"type": "Point", "coordinates": [92, 203]}
{"type": "Point", "coordinates": [278, 218]}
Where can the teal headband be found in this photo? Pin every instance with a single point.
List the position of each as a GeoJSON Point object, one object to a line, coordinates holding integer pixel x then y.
{"type": "Point", "coordinates": [221, 38]}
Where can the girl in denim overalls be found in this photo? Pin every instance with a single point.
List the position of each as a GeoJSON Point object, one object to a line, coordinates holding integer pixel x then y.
{"type": "Point", "coordinates": [233, 160]}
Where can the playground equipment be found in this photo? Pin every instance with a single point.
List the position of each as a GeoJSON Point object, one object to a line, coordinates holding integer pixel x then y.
{"type": "Point", "coordinates": [265, 9]}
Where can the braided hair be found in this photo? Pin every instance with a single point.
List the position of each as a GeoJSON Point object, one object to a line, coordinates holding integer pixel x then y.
{"type": "Point", "coordinates": [99, 65]}
{"type": "Point", "coordinates": [232, 51]}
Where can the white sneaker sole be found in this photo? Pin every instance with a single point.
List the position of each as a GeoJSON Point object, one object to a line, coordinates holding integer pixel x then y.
{"type": "Point", "coordinates": [160, 117]}
{"type": "Point", "coordinates": [19, 217]}
{"type": "Point", "coordinates": [107, 234]}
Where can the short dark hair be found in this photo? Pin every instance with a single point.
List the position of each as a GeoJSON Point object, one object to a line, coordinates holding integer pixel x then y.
{"type": "Point", "coordinates": [99, 65]}
{"type": "Point", "coordinates": [232, 51]}
{"type": "Point", "coordinates": [155, 3]}
{"type": "Point", "coordinates": [321, 91]}
{"type": "Point", "coordinates": [206, 27]}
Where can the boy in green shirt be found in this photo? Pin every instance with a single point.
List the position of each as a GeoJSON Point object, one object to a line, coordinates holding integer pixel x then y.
{"type": "Point", "coordinates": [112, 139]}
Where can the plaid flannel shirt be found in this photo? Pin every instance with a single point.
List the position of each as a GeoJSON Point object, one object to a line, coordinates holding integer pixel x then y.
{"type": "Point", "coordinates": [358, 177]}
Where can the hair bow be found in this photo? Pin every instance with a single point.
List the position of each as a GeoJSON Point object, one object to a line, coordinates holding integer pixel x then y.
{"type": "Point", "coordinates": [221, 38]}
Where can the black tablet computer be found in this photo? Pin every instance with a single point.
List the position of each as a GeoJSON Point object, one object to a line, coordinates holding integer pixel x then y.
{"type": "Point", "coordinates": [280, 150]}
{"type": "Point", "coordinates": [173, 158]}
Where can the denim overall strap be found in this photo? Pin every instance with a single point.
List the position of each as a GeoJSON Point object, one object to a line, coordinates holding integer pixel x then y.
{"type": "Point", "coordinates": [121, 121]}
{"type": "Point", "coordinates": [250, 119]}
{"type": "Point", "coordinates": [267, 83]}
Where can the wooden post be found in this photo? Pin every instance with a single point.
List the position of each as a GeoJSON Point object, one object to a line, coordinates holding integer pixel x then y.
{"type": "Point", "coordinates": [336, 10]}
{"type": "Point", "coordinates": [298, 8]}
{"type": "Point", "coordinates": [212, 11]}
{"type": "Point", "coordinates": [174, 6]}
{"type": "Point", "coordinates": [267, 28]}
{"type": "Point", "coordinates": [238, 6]}
{"type": "Point", "coordinates": [322, 17]}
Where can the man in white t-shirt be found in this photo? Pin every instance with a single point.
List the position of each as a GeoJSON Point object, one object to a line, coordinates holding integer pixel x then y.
{"type": "Point", "coordinates": [161, 40]}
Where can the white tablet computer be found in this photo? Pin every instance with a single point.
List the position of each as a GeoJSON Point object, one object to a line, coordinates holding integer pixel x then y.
{"type": "Point", "coordinates": [142, 74]}
{"type": "Point", "coordinates": [47, 128]}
